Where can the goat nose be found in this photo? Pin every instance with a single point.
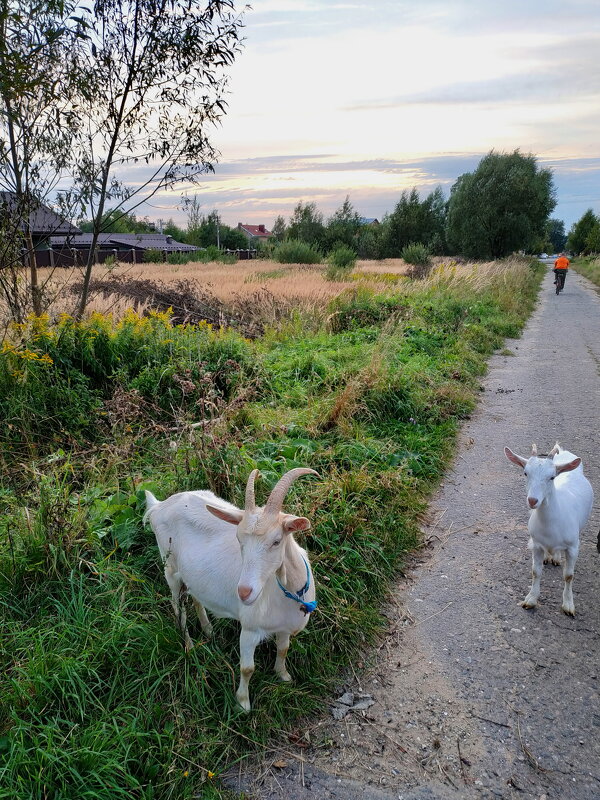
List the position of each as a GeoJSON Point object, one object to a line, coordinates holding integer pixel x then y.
{"type": "Point", "coordinates": [532, 502]}
{"type": "Point", "coordinates": [244, 592]}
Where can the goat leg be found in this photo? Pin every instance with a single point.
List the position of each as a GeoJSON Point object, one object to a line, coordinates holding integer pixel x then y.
{"type": "Point", "coordinates": [537, 567]}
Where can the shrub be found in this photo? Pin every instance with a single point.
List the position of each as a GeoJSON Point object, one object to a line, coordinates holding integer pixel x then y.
{"type": "Point", "coordinates": [153, 256]}
{"type": "Point", "coordinates": [342, 260]}
{"type": "Point", "coordinates": [212, 253]}
{"type": "Point", "coordinates": [294, 251]}
{"type": "Point", "coordinates": [417, 255]}
{"type": "Point", "coordinates": [178, 258]}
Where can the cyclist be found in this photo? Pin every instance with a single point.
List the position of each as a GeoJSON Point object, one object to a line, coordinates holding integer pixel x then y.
{"type": "Point", "coordinates": [561, 265]}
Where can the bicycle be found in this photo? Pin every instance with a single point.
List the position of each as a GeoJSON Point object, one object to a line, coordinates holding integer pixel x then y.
{"type": "Point", "coordinates": [559, 279]}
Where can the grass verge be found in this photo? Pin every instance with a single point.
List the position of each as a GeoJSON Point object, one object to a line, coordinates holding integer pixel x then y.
{"type": "Point", "coordinates": [97, 698]}
{"type": "Point", "coordinates": [589, 267]}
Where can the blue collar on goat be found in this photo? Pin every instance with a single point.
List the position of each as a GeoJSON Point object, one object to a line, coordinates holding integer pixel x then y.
{"type": "Point", "coordinates": [307, 606]}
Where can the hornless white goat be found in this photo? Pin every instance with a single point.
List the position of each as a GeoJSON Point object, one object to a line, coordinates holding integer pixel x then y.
{"type": "Point", "coordinates": [560, 498]}
{"type": "Point", "coordinates": [245, 565]}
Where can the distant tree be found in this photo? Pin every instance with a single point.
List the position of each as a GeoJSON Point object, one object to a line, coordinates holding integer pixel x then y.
{"type": "Point", "coordinates": [233, 238]}
{"type": "Point", "coordinates": [592, 242]}
{"type": "Point", "coordinates": [501, 207]}
{"type": "Point", "coordinates": [371, 241]}
{"type": "Point", "coordinates": [279, 229]}
{"type": "Point", "coordinates": [171, 229]}
{"type": "Point", "coordinates": [306, 225]}
{"type": "Point", "coordinates": [343, 226]}
{"type": "Point", "coordinates": [194, 221]}
{"type": "Point", "coordinates": [151, 85]}
{"type": "Point", "coordinates": [413, 220]}
{"type": "Point", "coordinates": [206, 230]}
{"type": "Point", "coordinates": [577, 238]}
{"type": "Point", "coordinates": [555, 234]}
{"type": "Point", "coordinates": [115, 221]}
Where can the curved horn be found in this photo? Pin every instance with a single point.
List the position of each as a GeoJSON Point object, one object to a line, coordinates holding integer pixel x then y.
{"type": "Point", "coordinates": [250, 501]}
{"type": "Point", "coordinates": [534, 449]}
{"type": "Point", "coordinates": [555, 450]}
{"type": "Point", "coordinates": [281, 488]}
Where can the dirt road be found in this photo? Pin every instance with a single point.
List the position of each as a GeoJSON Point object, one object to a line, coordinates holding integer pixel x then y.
{"type": "Point", "coordinates": [476, 697]}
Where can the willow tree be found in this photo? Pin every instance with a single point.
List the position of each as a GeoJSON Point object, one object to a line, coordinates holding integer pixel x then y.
{"type": "Point", "coordinates": [152, 87]}
{"type": "Point", "coordinates": [501, 207]}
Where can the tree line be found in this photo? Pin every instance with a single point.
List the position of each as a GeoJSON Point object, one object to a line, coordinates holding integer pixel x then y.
{"type": "Point", "coordinates": [502, 207]}
{"type": "Point", "coordinates": [201, 230]}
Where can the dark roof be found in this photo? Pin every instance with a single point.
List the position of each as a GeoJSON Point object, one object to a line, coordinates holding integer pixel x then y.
{"type": "Point", "coordinates": [42, 220]}
{"type": "Point", "coordinates": [369, 221]}
{"type": "Point", "coordinates": [135, 241]}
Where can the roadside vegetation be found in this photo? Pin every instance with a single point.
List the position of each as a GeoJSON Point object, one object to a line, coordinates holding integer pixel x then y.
{"type": "Point", "coordinates": [97, 698]}
{"type": "Point", "coordinates": [590, 267]}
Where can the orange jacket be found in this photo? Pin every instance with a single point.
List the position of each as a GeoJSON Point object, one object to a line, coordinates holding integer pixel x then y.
{"type": "Point", "coordinates": [562, 262]}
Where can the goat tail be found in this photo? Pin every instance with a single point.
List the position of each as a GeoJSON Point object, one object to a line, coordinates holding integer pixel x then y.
{"type": "Point", "coordinates": [151, 502]}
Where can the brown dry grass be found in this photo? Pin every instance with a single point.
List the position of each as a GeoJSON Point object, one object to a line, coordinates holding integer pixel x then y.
{"type": "Point", "coordinates": [298, 286]}
{"type": "Point", "coordinates": [302, 285]}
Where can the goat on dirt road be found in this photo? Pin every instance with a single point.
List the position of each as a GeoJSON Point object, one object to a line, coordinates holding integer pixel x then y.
{"type": "Point", "coordinates": [560, 498]}
{"type": "Point", "coordinates": [244, 565]}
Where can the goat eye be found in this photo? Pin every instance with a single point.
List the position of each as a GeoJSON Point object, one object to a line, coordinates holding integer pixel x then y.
{"type": "Point", "coordinates": [524, 473]}
{"type": "Point", "coordinates": [276, 542]}
{"type": "Point", "coordinates": [552, 478]}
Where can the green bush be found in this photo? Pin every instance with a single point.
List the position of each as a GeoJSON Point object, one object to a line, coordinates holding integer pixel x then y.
{"type": "Point", "coordinates": [294, 251]}
{"type": "Point", "coordinates": [342, 261]}
{"type": "Point", "coordinates": [153, 256]}
{"type": "Point", "coordinates": [415, 253]}
{"type": "Point", "coordinates": [212, 253]}
{"type": "Point", "coordinates": [178, 258]}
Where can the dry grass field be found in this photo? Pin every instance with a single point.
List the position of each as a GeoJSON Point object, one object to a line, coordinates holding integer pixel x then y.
{"type": "Point", "coordinates": [267, 289]}
{"type": "Point", "coordinates": [301, 285]}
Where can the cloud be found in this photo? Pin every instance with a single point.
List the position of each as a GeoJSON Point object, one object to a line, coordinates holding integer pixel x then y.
{"type": "Point", "coordinates": [554, 73]}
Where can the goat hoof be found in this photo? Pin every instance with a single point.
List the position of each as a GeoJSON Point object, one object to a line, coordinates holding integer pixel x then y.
{"type": "Point", "coordinates": [245, 703]}
{"type": "Point", "coordinates": [188, 644]}
{"type": "Point", "coordinates": [285, 676]}
{"type": "Point", "coordinates": [528, 603]}
{"type": "Point", "coordinates": [569, 610]}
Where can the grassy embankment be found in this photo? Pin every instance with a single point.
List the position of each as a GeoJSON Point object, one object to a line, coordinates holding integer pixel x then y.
{"type": "Point", "coordinates": [97, 697]}
{"type": "Point", "coordinates": [589, 267]}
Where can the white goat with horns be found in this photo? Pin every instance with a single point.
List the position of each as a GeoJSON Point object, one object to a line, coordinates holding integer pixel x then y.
{"type": "Point", "coordinates": [560, 498]}
{"type": "Point", "coordinates": [245, 565]}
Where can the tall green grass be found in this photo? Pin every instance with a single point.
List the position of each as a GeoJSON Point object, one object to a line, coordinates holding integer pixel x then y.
{"type": "Point", "coordinates": [97, 698]}
{"type": "Point", "coordinates": [589, 267]}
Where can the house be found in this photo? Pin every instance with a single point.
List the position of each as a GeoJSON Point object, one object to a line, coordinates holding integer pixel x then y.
{"type": "Point", "coordinates": [125, 241]}
{"type": "Point", "coordinates": [255, 233]}
{"type": "Point", "coordinates": [43, 222]}
{"type": "Point", "coordinates": [122, 246]}
{"type": "Point", "coordinates": [369, 221]}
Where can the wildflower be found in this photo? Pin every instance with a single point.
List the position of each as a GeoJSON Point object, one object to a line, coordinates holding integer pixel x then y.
{"type": "Point", "coordinates": [186, 773]}
{"type": "Point", "coordinates": [211, 775]}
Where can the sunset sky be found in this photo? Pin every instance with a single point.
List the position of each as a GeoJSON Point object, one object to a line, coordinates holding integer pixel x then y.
{"type": "Point", "coordinates": [329, 99]}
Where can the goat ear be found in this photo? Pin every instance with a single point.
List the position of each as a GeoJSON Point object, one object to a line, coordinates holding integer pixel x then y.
{"type": "Point", "coordinates": [518, 460]}
{"type": "Point", "coordinates": [568, 467]}
{"type": "Point", "coordinates": [291, 524]}
{"type": "Point", "coordinates": [233, 517]}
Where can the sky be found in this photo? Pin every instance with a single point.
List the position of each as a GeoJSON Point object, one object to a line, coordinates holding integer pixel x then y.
{"type": "Point", "coordinates": [367, 99]}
